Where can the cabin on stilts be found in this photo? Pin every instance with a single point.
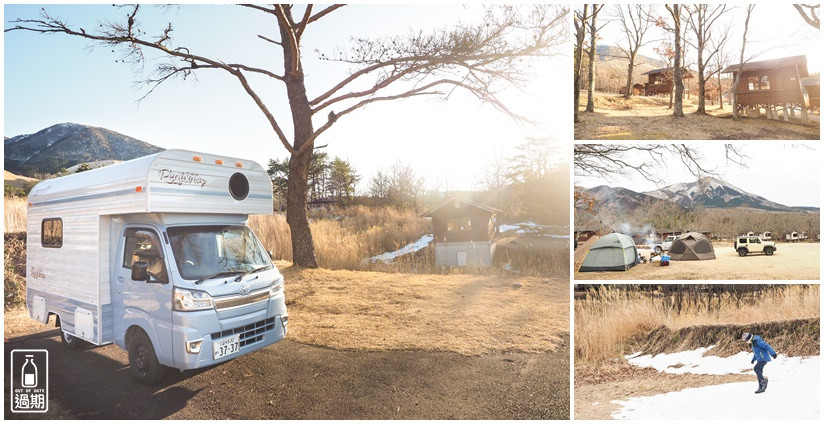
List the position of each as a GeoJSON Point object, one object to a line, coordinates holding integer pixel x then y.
{"type": "Point", "coordinates": [778, 86]}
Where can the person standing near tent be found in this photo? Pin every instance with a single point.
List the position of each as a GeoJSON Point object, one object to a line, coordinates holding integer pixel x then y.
{"type": "Point", "coordinates": [762, 352]}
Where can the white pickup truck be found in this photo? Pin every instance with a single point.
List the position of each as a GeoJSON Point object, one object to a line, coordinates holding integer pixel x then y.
{"type": "Point", "coordinates": [665, 245]}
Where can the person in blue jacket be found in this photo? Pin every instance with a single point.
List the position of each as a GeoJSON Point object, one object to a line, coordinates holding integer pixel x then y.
{"type": "Point", "coordinates": [762, 352]}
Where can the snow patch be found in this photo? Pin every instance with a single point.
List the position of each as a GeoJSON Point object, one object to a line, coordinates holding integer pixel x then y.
{"type": "Point", "coordinates": [793, 391]}
{"type": "Point", "coordinates": [390, 257]}
{"type": "Point", "coordinates": [532, 228]}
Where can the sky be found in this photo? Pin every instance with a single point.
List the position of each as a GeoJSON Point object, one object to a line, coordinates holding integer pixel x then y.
{"type": "Point", "coordinates": [785, 173]}
{"type": "Point", "coordinates": [776, 30]}
{"type": "Point", "coordinates": [51, 79]}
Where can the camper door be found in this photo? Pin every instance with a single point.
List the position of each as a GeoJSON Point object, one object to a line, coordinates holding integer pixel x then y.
{"type": "Point", "coordinates": [142, 292]}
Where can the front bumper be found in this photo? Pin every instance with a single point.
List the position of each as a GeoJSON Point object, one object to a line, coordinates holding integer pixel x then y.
{"type": "Point", "coordinates": [258, 326]}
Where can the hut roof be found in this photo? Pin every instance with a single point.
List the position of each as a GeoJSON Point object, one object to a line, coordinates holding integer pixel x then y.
{"type": "Point", "coordinates": [763, 65]}
{"type": "Point", "coordinates": [663, 70]}
{"type": "Point", "coordinates": [489, 209]}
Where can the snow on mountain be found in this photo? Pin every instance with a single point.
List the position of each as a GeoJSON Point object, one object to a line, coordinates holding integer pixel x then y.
{"type": "Point", "coordinates": [793, 391]}
{"type": "Point", "coordinates": [712, 192]}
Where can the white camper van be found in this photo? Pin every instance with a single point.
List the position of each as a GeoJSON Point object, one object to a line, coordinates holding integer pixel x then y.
{"type": "Point", "coordinates": [154, 255]}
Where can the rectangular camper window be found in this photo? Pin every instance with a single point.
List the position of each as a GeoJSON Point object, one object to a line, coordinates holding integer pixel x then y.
{"type": "Point", "coordinates": [51, 232]}
{"type": "Point", "coordinates": [752, 83]}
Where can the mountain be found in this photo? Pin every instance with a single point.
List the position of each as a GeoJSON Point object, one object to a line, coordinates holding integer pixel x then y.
{"type": "Point", "coordinates": [619, 198]}
{"type": "Point", "coordinates": [705, 192]}
{"type": "Point", "coordinates": [64, 145]}
{"type": "Point", "coordinates": [608, 53]}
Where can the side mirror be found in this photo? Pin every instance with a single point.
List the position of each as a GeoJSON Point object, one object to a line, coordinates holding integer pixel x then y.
{"type": "Point", "coordinates": [269, 252]}
{"type": "Point", "coordinates": [140, 271]}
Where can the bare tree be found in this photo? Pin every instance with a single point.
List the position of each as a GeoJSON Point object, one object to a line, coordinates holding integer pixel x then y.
{"type": "Point", "coordinates": [702, 19]}
{"type": "Point", "coordinates": [635, 23]}
{"type": "Point", "coordinates": [719, 61]}
{"type": "Point", "coordinates": [810, 13]}
{"type": "Point", "coordinates": [478, 58]}
{"type": "Point", "coordinates": [675, 12]}
{"type": "Point", "coordinates": [593, 37]}
{"type": "Point", "coordinates": [648, 161]}
{"type": "Point", "coordinates": [741, 62]}
{"type": "Point", "coordinates": [580, 22]}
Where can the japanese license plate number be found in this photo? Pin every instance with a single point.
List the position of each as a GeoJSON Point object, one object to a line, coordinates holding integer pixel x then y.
{"type": "Point", "coordinates": [226, 346]}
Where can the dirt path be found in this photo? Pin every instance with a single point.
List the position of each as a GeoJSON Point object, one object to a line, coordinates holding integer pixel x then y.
{"type": "Point", "coordinates": [792, 261]}
{"type": "Point", "coordinates": [289, 380]}
{"type": "Point", "coordinates": [594, 401]}
{"type": "Point", "coordinates": [648, 118]}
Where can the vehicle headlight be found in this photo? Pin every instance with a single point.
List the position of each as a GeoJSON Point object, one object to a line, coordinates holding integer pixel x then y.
{"type": "Point", "coordinates": [192, 300]}
{"type": "Point", "coordinates": [277, 286]}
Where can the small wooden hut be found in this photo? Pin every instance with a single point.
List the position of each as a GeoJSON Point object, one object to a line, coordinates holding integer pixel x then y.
{"type": "Point", "coordinates": [773, 85]}
{"type": "Point", "coordinates": [660, 81]}
{"type": "Point", "coordinates": [463, 232]}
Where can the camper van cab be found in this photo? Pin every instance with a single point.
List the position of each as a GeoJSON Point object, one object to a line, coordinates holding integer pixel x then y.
{"type": "Point", "coordinates": [154, 255]}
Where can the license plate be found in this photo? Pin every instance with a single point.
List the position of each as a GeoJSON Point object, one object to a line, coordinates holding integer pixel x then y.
{"type": "Point", "coordinates": [226, 346]}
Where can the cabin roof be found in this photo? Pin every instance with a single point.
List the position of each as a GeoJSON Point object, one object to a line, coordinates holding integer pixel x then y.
{"type": "Point", "coordinates": [768, 64]}
{"type": "Point", "coordinates": [663, 70]}
{"type": "Point", "coordinates": [449, 200]}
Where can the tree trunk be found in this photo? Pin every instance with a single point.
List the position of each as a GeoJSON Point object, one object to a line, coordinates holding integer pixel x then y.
{"type": "Point", "coordinates": [701, 79]}
{"type": "Point", "coordinates": [579, 57]}
{"type": "Point", "coordinates": [303, 247]}
{"type": "Point", "coordinates": [591, 68]}
{"type": "Point", "coordinates": [630, 68]}
{"type": "Point", "coordinates": [720, 92]}
{"type": "Point", "coordinates": [678, 109]}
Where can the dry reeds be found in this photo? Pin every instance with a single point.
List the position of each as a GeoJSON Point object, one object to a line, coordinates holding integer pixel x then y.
{"type": "Point", "coordinates": [607, 320]}
{"type": "Point", "coordinates": [344, 237]}
{"type": "Point", "coordinates": [14, 214]}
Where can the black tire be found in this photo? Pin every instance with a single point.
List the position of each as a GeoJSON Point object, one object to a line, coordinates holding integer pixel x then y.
{"type": "Point", "coordinates": [142, 359]}
{"type": "Point", "coordinates": [768, 251]}
{"type": "Point", "coordinates": [658, 249]}
{"type": "Point", "coordinates": [742, 252]}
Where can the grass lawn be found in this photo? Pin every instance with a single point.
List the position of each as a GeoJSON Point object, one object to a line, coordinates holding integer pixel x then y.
{"type": "Point", "coordinates": [649, 118]}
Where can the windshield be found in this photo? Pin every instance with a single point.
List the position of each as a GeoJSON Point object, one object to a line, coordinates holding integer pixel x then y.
{"type": "Point", "coordinates": [201, 252]}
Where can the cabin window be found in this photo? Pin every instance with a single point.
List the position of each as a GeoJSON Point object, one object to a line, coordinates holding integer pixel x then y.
{"type": "Point", "coordinates": [143, 245]}
{"type": "Point", "coordinates": [765, 82]}
{"type": "Point", "coordinates": [752, 83]}
{"type": "Point", "coordinates": [51, 232]}
{"type": "Point", "coordinates": [459, 224]}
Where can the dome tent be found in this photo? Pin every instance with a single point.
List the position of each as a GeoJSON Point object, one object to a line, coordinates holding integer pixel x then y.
{"type": "Point", "coordinates": [612, 252]}
{"type": "Point", "coordinates": [691, 247]}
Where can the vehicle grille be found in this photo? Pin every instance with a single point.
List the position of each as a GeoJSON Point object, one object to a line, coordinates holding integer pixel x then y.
{"type": "Point", "coordinates": [249, 334]}
{"type": "Point", "coordinates": [235, 301]}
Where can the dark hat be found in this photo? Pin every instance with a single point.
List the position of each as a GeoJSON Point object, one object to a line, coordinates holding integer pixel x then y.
{"type": "Point", "coordinates": [746, 337]}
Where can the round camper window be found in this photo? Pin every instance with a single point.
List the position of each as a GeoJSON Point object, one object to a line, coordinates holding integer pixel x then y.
{"type": "Point", "coordinates": [239, 186]}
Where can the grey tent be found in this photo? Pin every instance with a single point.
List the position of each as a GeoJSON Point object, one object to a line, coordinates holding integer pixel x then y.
{"type": "Point", "coordinates": [612, 252]}
{"type": "Point", "coordinates": [691, 247]}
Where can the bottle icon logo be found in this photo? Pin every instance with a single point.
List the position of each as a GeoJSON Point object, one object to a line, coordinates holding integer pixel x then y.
{"type": "Point", "coordinates": [29, 381]}
{"type": "Point", "coordinates": [29, 372]}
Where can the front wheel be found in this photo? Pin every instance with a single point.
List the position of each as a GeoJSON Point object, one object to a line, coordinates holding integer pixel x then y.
{"type": "Point", "coordinates": [742, 252]}
{"type": "Point", "coordinates": [658, 249]}
{"type": "Point", "coordinates": [768, 251]}
{"type": "Point", "coordinates": [143, 361]}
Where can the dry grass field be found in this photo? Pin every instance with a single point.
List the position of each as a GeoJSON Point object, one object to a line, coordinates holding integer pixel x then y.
{"type": "Point", "coordinates": [466, 314]}
{"type": "Point", "coordinates": [607, 322]}
{"type": "Point", "coordinates": [791, 261]}
{"type": "Point", "coordinates": [649, 118]}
